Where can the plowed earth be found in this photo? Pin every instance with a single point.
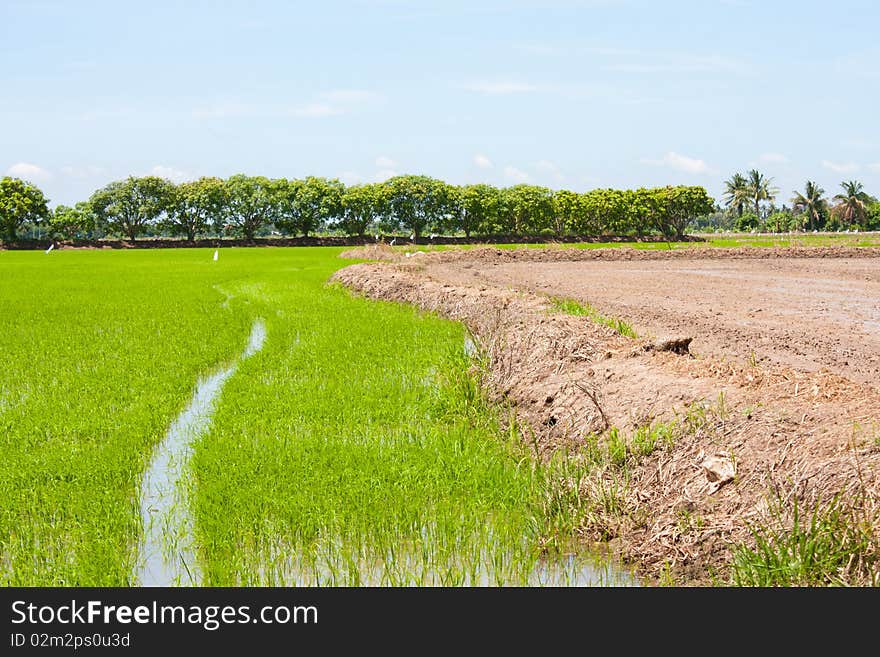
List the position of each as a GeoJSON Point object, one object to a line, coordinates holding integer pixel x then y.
{"type": "Point", "coordinates": [778, 397]}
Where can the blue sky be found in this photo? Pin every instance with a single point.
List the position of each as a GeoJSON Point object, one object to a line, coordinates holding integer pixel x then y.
{"type": "Point", "coordinates": [563, 93]}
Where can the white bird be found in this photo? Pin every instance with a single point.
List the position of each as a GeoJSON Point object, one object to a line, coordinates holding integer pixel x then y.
{"type": "Point", "coordinates": [216, 254]}
{"type": "Point", "coordinates": [391, 243]}
{"type": "Point", "coordinates": [51, 246]}
{"type": "Point", "coordinates": [413, 236]}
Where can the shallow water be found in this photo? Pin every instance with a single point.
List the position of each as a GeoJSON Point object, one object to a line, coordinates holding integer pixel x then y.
{"type": "Point", "coordinates": [167, 554]}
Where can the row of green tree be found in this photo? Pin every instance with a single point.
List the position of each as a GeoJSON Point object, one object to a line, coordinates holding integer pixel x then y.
{"type": "Point", "coordinates": [250, 206]}
{"type": "Point", "coordinates": [750, 201]}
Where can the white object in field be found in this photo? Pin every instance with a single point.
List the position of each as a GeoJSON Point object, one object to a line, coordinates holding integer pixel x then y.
{"type": "Point", "coordinates": [413, 236]}
{"type": "Point", "coordinates": [391, 243]}
{"type": "Point", "coordinates": [216, 254]}
{"type": "Point", "coordinates": [51, 246]}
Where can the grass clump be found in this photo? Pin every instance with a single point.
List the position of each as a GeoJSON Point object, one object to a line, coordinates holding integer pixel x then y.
{"type": "Point", "coordinates": [579, 309]}
{"type": "Point", "coordinates": [835, 544]}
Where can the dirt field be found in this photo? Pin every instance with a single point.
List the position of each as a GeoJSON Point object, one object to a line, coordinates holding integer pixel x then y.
{"type": "Point", "coordinates": [777, 399]}
{"type": "Point", "coordinates": [805, 313]}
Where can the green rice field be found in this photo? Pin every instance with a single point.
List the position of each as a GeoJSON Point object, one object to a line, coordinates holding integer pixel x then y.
{"type": "Point", "coordinates": [355, 448]}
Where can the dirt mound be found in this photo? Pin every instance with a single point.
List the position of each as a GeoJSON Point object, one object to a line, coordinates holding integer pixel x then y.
{"type": "Point", "coordinates": [738, 432]}
{"type": "Point", "coordinates": [559, 253]}
{"type": "Point", "coordinates": [380, 251]}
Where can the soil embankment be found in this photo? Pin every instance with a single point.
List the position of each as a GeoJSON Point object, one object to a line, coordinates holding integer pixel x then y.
{"type": "Point", "coordinates": [786, 418]}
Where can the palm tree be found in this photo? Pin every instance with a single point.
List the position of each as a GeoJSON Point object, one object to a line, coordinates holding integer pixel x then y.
{"type": "Point", "coordinates": [810, 202]}
{"type": "Point", "coordinates": [736, 192]}
{"type": "Point", "coordinates": [758, 189]}
{"type": "Point", "coordinates": [853, 203]}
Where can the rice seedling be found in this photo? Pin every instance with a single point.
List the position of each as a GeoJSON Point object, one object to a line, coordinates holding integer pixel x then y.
{"type": "Point", "coordinates": [101, 352]}
{"type": "Point", "coordinates": [356, 448]}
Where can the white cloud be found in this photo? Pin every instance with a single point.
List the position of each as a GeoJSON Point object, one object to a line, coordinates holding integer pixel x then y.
{"type": "Point", "coordinates": [384, 174]}
{"type": "Point", "coordinates": [517, 175]}
{"type": "Point", "coordinates": [170, 173]}
{"type": "Point", "coordinates": [500, 88]}
{"type": "Point", "coordinates": [482, 161]}
{"type": "Point", "coordinates": [840, 167]}
{"type": "Point", "coordinates": [549, 168]}
{"type": "Point", "coordinates": [772, 158]}
{"type": "Point", "coordinates": [679, 162]}
{"type": "Point", "coordinates": [29, 172]}
{"type": "Point", "coordinates": [350, 177]}
{"type": "Point", "coordinates": [385, 162]}
{"type": "Point", "coordinates": [316, 111]}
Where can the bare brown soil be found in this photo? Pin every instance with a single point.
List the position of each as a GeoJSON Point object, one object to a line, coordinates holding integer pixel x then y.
{"type": "Point", "coordinates": [778, 398]}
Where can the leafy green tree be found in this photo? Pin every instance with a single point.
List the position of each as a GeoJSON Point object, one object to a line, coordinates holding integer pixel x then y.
{"type": "Point", "coordinates": [250, 203]}
{"type": "Point", "coordinates": [417, 202]}
{"type": "Point", "coordinates": [852, 203]}
{"type": "Point", "coordinates": [132, 205]}
{"type": "Point", "coordinates": [473, 208]}
{"type": "Point", "coordinates": [362, 206]}
{"type": "Point", "coordinates": [68, 223]}
{"type": "Point", "coordinates": [811, 203]}
{"type": "Point", "coordinates": [759, 188]}
{"type": "Point", "coordinates": [780, 221]}
{"type": "Point", "coordinates": [678, 206]}
{"type": "Point", "coordinates": [194, 206]}
{"type": "Point", "coordinates": [608, 211]}
{"type": "Point", "coordinates": [590, 220]}
{"type": "Point", "coordinates": [20, 202]}
{"type": "Point", "coordinates": [307, 205]}
{"type": "Point", "coordinates": [526, 209]}
{"type": "Point", "coordinates": [747, 222]}
{"type": "Point", "coordinates": [873, 222]}
{"type": "Point", "coordinates": [736, 192]}
{"type": "Point", "coordinates": [568, 211]}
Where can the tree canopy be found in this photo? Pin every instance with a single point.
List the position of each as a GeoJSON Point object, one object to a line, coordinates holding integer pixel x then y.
{"type": "Point", "coordinates": [20, 202]}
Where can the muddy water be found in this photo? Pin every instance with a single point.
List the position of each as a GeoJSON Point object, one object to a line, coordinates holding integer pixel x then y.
{"type": "Point", "coordinates": [167, 554]}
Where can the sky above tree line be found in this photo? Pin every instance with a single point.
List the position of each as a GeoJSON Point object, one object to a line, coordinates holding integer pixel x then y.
{"type": "Point", "coordinates": [567, 94]}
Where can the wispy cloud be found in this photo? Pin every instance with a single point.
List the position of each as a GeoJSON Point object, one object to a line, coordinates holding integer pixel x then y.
{"type": "Point", "coordinates": [482, 161]}
{"type": "Point", "coordinates": [516, 175]}
{"type": "Point", "coordinates": [29, 172]}
{"type": "Point", "coordinates": [875, 168]}
{"type": "Point", "coordinates": [383, 174]}
{"type": "Point", "coordinates": [316, 111]}
{"type": "Point", "coordinates": [172, 174]}
{"type": "Point", "coordinates": [385, 162]}
{"type": "Point", "coordinates": [680, 162]}
{"type": "Point", "coordinates": [350, 178]}
{"type": "Point", "coordinates": [502, 88]}
{"type": "Point", "coordinates": [772, 158]}
{"type": "Point", "coordinates": [840, 167]}
{"type": "Point", "coordinates": [550, 169]}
